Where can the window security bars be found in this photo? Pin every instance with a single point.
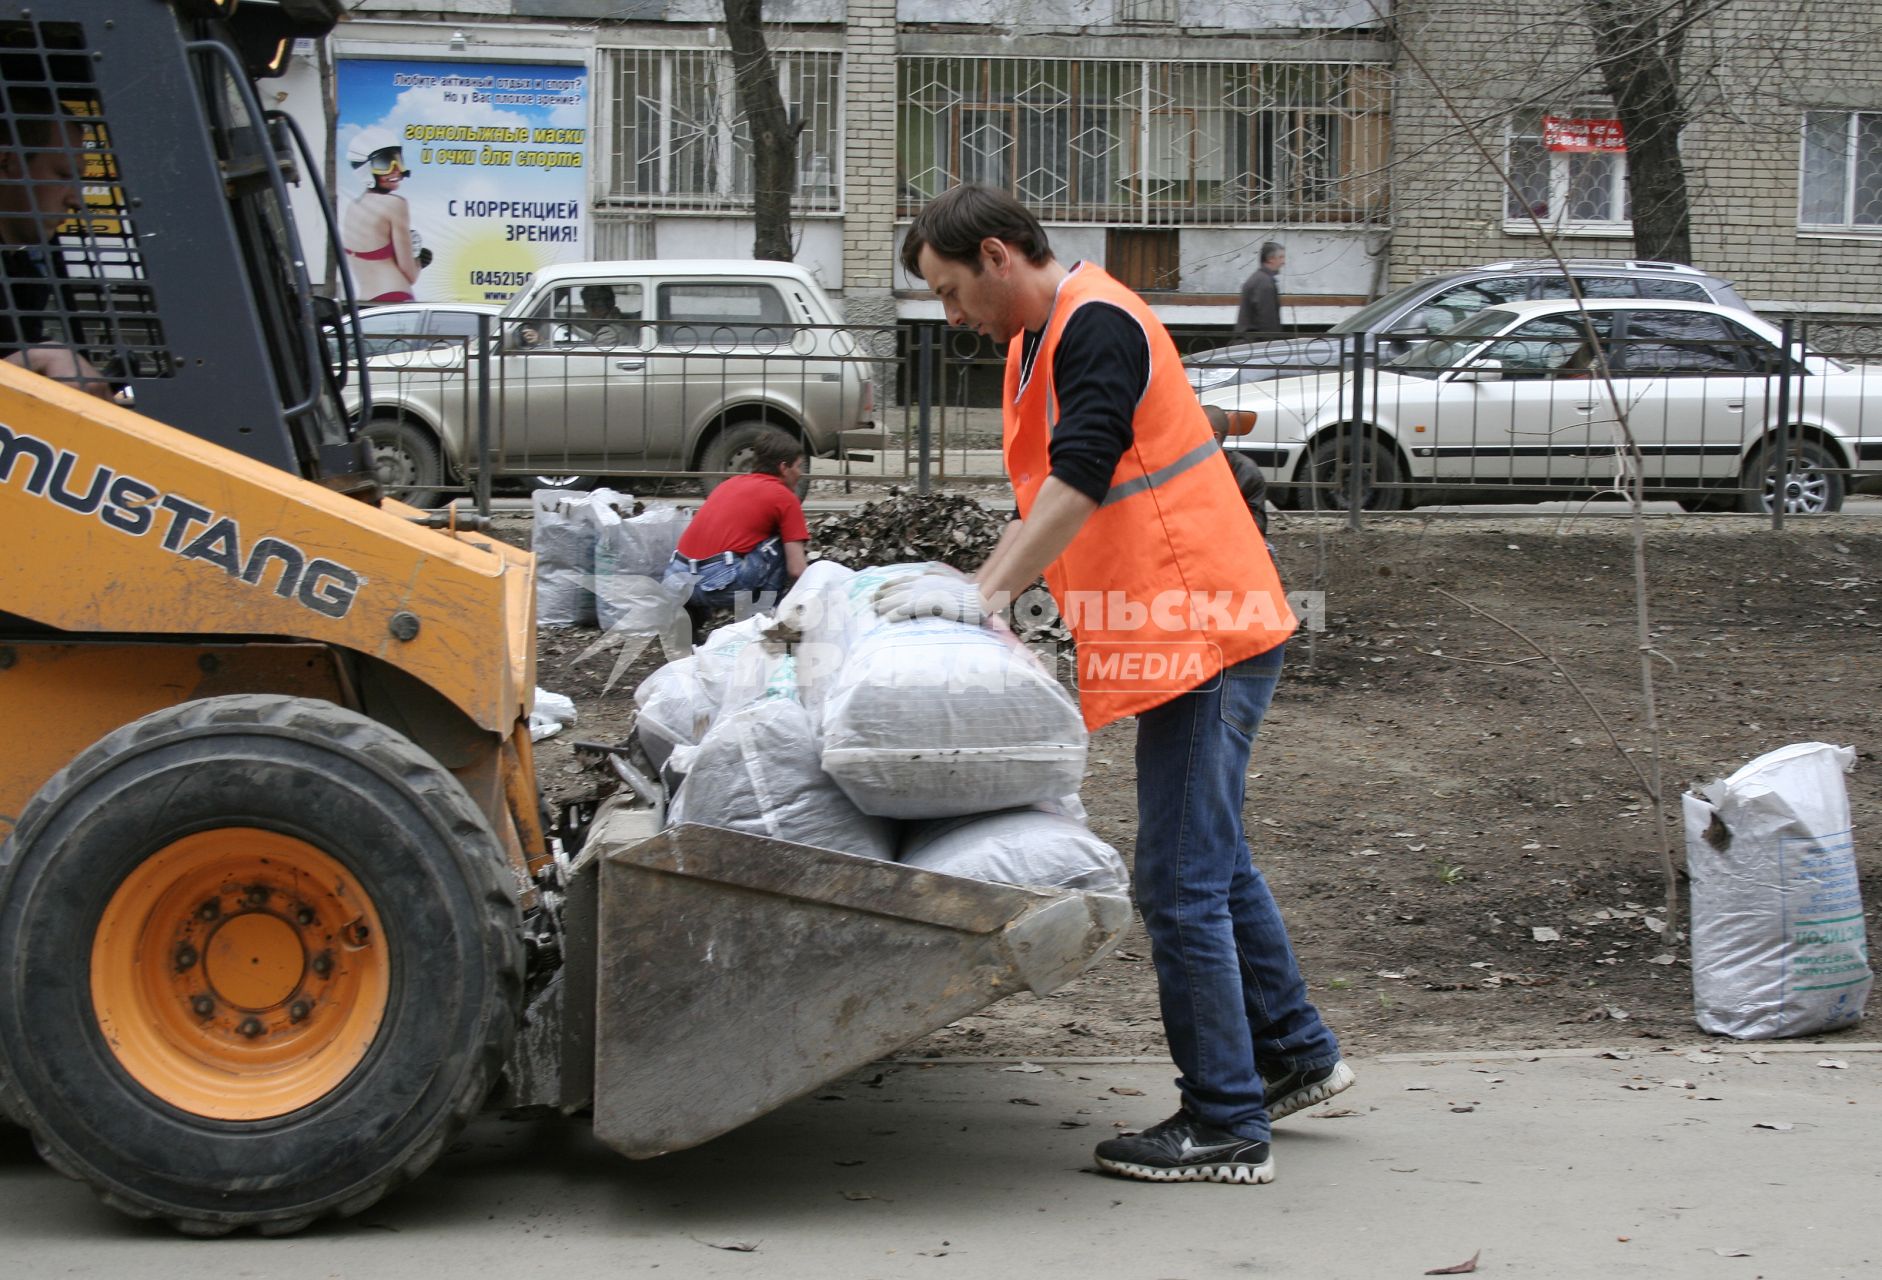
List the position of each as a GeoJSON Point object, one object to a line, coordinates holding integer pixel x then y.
{"type": "Point", "coordinates": [678, 139]}
{"type": "Point", "coordinates": [1841, 187]}
{"type": "Point", "coordinates": [1149, 142]}
{"type": "Point", "coordinates": [1566, 191]}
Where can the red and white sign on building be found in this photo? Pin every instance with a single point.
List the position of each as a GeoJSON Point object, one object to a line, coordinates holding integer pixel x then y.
{"type": "Point", "coordinates": [1567, 133]}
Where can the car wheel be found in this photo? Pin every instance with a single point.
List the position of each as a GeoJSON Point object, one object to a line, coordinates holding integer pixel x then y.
{"type": "Point", "coordinates": [731, 450]}
{"type": "Point", "coordinates": [264, 961]}
{"type": "Point", "coordinates": [1813, 486]}
{"type": "Point", "coordinates": [1327, 468]}
{"type": "Point", "coordinates": [406, 460]}
{"type": "Point", "coordinates": [574, 484]}
{"type": "Point", "coordinates": [1703, 503]}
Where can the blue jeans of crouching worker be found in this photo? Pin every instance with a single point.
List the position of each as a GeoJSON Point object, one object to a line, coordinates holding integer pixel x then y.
{"type": "Point", "coordinates": [1234, 1005]}
{"type": "Point", "coordinates": [721, 579]}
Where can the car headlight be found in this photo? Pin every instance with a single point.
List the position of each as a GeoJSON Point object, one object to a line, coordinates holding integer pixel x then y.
{"type": "Point", "coordinates": [1203, 378]}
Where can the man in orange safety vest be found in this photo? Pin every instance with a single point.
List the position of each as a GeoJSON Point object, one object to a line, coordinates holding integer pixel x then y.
{"type": "Point", "coordinates": [1130, 511]}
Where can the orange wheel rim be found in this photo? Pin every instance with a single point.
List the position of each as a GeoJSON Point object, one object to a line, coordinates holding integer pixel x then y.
{"type": "Point", "coordinates": [239, 974]}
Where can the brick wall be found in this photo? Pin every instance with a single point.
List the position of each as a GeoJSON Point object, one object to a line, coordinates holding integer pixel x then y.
{"type": "Point", "coordinates": [869, 154]}
{"type": "Point", "coordinates": [1753, 69]}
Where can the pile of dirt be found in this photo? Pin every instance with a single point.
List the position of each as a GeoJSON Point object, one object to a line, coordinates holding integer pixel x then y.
{"type": "Point", "coordinates": [907, 526]}
{"type": "Point", "coordinates": [1463, 856]}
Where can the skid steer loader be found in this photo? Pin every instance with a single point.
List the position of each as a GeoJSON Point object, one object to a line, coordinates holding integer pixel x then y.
{"type": "Point", "coordinates": [275, 892]}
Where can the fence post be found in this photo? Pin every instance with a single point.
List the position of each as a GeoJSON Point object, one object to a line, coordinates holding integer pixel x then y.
{"type": "Point", "coordinates": [924, 375]}
{"type": "Point", "coordinates": [483, 414]}
{"type": "Point", "coordinates": [1783, 458]}
{"type": "Point", "coordinates": [1354, 457]}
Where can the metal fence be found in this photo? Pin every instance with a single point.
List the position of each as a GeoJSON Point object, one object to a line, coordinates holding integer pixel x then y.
{"type": "Point", "coordinates": [1348, 425]}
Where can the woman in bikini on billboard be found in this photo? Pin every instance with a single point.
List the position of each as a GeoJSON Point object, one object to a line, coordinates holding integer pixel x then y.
{"type": "Point", "coordinates": [376, 228]}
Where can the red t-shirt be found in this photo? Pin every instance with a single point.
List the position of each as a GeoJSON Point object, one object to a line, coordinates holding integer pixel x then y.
{"type": "Point", "coordinates": [741, 513]}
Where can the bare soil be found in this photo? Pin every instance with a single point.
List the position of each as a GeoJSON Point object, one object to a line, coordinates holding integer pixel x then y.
{"type": "Point", "coordinates": [1427, 792]}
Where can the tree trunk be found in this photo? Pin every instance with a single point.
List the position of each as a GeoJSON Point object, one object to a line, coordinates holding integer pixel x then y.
{"type": "Point", "coordinates": [1640, 69]}
{"type": "Point", "coordinates": [773, 137]}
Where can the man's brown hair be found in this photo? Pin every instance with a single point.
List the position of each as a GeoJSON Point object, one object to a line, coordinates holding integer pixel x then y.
{"type": "Point", "coordinates": [773, 451]}
{"type": "Point", "coordinates": [954, 223]}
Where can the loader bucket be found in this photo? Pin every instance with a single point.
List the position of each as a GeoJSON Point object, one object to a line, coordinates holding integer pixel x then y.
{"type": "Point", "coordinates": [739, 972]}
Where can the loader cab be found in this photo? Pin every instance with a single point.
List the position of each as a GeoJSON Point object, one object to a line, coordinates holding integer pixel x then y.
{"type": "Point", "coordinates": [145, 227]}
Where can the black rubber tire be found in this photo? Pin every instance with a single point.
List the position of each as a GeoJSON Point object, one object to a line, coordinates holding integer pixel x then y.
{"type": "Point", "coordinates": [1701, 504]}
{"type": "Point", "coordinates": [730, 450]}
{"type": "Point", "coordinates": [1812, 467]}
{"type": "Point", "coordinates": [399, 822]}
{"type": "Point", "coordinates": [1327, 464]}
{"type": "Point", "coordinates": [406, 460]}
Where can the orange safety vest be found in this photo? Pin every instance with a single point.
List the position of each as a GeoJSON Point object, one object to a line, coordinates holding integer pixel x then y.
{"type": "Point", "coordinates": [1169, 581]}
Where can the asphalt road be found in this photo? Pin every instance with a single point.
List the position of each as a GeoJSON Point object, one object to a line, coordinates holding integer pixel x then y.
{"type": "Point", "coordinates": [1671, 1161]}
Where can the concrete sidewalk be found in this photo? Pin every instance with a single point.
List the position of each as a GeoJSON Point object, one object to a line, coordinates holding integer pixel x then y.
{"type": "Point", "coordinates": [1559, 1164]}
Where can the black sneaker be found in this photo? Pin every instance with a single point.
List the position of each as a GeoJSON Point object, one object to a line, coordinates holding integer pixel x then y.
{"type": "Point", "coordinates": [1184, 1149]}
{"type": "Point", "coordinates": [1298, 1090]}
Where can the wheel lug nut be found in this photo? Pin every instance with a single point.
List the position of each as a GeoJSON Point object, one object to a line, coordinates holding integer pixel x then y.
{"type": "Point", "coordinates": [203, 1006]}
{"type": "Point", "coordinates": [185, 957]}
{"type": "Point", "coordinates": [251, 1027]}
{"type": "Point", "coordinates": [304, 915]}
{"type": "Point", "coordinates": [298, 1011]}
{"type": "Point", "coordinates": [257, 896]}
{"type": "Point", "coordinates": [209, 910]}
{"type": "Point", "coordinates": [323, 964]}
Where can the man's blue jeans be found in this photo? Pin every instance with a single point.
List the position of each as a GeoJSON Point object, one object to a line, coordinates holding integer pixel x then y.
{"type": "Point", "coordinates": [756, 574]}
{"type": "Point", "coordinates": [1234, 1003]}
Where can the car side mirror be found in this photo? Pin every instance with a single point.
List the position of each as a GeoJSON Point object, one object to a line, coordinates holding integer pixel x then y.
{"type": "Point", "coordinates": [1486, 370]}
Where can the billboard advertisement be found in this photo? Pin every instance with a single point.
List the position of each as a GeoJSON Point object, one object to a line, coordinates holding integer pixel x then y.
{"type": "Point", "coordinates": [459, 180]}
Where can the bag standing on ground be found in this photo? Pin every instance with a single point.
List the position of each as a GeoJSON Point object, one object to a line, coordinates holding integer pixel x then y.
{"type": "Point", "coordinates": [1778, 946]}
{"type": "Point", "coordinates": [563, 531]}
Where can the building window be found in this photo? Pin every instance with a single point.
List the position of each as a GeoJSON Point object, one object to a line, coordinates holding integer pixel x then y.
{"type": "Point", "coordinates": [677, 139]}
{"type": "Point", "coordinates": [1149, 142]}
{"type": "Point", "coordinates": [1841, 189]}
{"type": "Point", "coordinates": [1161, 13]}
{"type": "Point", "coordinates": [1569, 191]}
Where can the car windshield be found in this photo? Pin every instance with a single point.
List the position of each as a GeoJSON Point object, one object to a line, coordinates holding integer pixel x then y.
{"type": "Point", "coordinates": [1429, 359]}
{"type": "Point", "coordinates": [1374, 313]}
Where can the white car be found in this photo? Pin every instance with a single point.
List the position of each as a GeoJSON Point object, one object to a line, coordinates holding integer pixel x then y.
{"type": "Point", "coordinates": [1512, 405]}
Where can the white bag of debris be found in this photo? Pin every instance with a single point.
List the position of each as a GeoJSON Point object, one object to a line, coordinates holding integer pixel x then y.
{"type": "Point", "coordinates": [930, 718]}
{"type": "Point", "coordinates": [814, 618]}
{"type": "Point", "coordinates": [1778, 946]}
{"type": "Point", "coordinates": [1018, 846]}
{"type": "Point", "coordinates": [643, 544]}
{"type": "Point", "coordinates": [735, 664]}
{"type": "Point", "coordinates": [564, 528]}
{"type": "Point", "coordinates": [673, 711]}
{"type": "Point", "coordinates": [631, 559]}
{"type": "Point", "coordinates": [756, 771]}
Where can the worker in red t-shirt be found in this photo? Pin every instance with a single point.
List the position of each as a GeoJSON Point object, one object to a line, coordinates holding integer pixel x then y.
{"type": "Point", "coordinates": [749, 535]}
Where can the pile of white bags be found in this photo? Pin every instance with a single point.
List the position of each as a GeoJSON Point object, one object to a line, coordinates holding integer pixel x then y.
{"type": "Point", "coordinates": [1778, 945]}
{"type": "Point", "coordinates": [563, 532]}
{"type": "Point", "coordinates": [935, 719]}
{"type": "Point", "coordinates": [756, 771]}
{"type": "Point", "coordinates": [764, 699]}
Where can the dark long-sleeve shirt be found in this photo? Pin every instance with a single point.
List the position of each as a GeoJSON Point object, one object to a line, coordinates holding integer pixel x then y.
{"type": "Point", "coordinates": [1100, 371]}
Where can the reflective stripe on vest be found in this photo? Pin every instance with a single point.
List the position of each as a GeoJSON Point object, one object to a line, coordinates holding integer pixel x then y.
{"type": "Point", "coordinates": [1195, 457]}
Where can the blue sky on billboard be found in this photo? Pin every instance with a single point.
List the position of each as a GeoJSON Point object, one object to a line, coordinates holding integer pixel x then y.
{"type": "Point", "coordinates": [497, 160]}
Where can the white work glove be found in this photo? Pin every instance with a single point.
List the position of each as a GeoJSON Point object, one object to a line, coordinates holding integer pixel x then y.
{"type": "Point", "coordinates": [930, 595]}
